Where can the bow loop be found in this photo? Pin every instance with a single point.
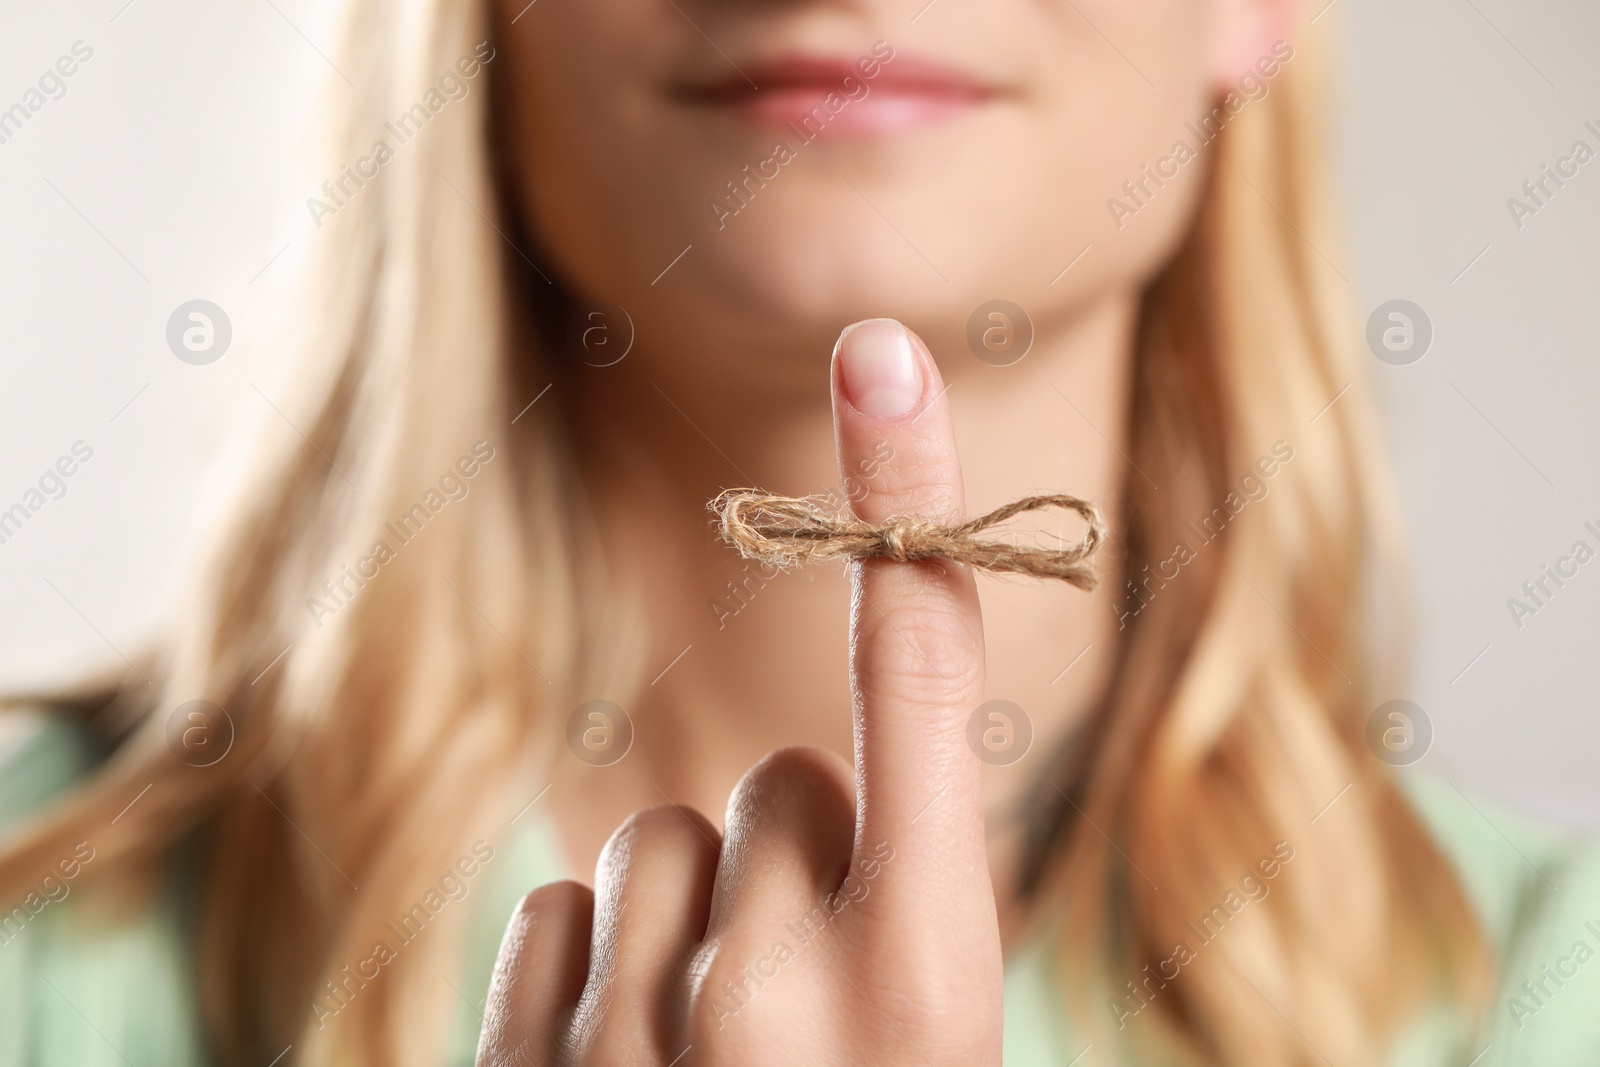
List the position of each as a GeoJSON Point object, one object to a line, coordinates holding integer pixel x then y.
{"type": "Point", "coordinates": [789, 531]}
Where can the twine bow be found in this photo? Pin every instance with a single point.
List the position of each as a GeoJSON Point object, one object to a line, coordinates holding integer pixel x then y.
{"type": "Point", "coordinates": [788, 531]}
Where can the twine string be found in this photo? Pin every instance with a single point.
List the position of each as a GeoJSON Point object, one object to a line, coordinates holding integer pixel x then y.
{"type": "Point", "coordinates": [789, 531]}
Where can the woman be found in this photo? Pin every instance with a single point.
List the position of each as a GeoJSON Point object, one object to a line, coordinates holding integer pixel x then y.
{"type": "Point", "coordinates": [579, 265]}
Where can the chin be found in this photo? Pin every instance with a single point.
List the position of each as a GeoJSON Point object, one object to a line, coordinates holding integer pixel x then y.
{"type": "Point", "coordinates": [804, 274]}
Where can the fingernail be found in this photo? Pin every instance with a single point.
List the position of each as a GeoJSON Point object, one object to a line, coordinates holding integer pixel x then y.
{"type": "Point", "coordinates": [881, 374]}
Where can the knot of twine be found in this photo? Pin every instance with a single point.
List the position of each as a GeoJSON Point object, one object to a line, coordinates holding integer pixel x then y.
{"type": "Point", "coordinates": [788, 531]}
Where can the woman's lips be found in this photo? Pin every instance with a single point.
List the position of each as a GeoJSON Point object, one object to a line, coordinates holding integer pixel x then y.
{"type": "Point", "coordinates": [793, 93]}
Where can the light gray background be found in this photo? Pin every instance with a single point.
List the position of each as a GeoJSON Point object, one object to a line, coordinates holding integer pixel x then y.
{"type": "Point", "coordinates": [164, 174]}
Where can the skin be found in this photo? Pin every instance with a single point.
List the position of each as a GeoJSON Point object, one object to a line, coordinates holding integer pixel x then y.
{"type": "Point", "coordinates": [725, 385]}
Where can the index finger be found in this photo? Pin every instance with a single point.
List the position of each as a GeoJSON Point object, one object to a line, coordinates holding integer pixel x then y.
{"type": "Point", "coordinates": [916, 632]}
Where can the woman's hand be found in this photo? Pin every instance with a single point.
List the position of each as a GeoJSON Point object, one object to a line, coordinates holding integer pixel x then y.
{"type": "Point", "coordinates": [844, 918]}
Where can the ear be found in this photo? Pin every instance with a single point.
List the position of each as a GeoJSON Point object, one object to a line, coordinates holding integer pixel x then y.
{"type": "Point", "coordinates": [1243, 32]}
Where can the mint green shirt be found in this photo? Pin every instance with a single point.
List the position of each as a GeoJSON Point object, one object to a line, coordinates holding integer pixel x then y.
{"type": "Point", "coordinates": [78, 990]}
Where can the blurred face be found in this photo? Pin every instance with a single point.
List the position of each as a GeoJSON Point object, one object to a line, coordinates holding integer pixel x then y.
{"type": "Point", "coordinates": [823, 162]}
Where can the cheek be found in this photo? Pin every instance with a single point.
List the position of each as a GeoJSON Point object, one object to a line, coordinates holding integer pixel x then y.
{"type": "Point", "coordinates": [574, 117]}
{"type": "Point", "coordinates": [1119, 111]}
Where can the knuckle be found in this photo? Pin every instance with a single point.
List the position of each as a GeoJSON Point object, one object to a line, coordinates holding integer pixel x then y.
{"type": "Point", "coordinates": [796, 773]}
{"type": "Point", "coordinates": [924, 645]}
{"type": "Point", "coordinates": [803, 796]}
{"type": "Point", "coordinates": [664, 829]}
{"type": "Point", "coordinates": [551, 902]}
{"type": "Point", "coordinates": [657, 847]}
{"type": "Point", "coordinates": [730, 977]}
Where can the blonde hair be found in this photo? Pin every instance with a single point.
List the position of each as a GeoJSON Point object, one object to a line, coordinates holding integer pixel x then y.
{"type": "Point", "coordinates": [1241, 693]}
{"type": "Point", "coordinates": [1234, 731]}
